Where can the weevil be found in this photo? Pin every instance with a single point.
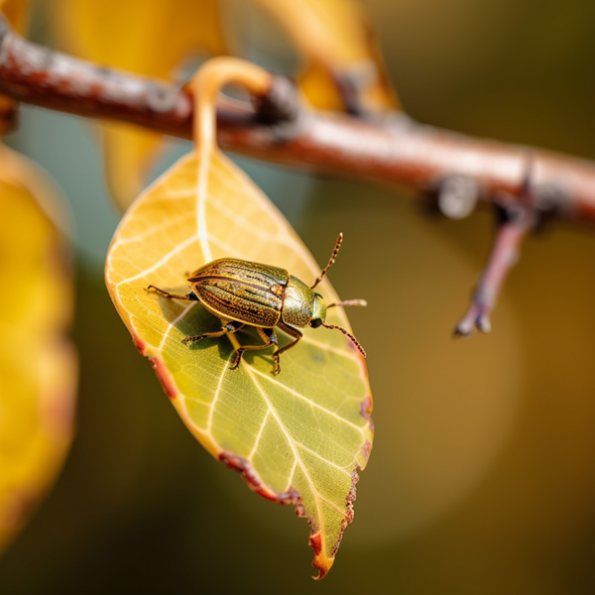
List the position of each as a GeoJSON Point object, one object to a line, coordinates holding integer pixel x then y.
{"type": "Point", "coordinates": [244, 293]}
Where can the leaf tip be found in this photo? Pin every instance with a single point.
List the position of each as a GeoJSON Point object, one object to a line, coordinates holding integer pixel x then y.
{"type": "Point", "coordinates": [321, 561]}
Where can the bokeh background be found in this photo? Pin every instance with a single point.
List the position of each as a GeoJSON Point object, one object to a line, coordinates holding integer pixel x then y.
{"type": "Point", "coordinates": [482, 477]}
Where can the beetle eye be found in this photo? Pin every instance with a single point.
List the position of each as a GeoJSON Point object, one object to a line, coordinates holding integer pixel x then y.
{"type": "Point", "coordinates": [315, 322]}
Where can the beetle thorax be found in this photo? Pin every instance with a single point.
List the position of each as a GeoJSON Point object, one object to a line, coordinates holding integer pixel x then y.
{"type": "Point", "coordinates": [301, 304]}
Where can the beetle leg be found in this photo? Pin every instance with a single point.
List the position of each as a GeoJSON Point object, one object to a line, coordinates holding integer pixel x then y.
{"type": "Point", "coordinates": [270, 340]}
{"type": "Point", "coordinates": [292, 332]}
{"type": "Point", "coordinates": [230, 327]}
{"type": "Point", "coordinates": [189, 297]}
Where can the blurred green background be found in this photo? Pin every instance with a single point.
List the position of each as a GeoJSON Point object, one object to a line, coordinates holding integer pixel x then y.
{"type": "Point", "coordinates": [482, 477]}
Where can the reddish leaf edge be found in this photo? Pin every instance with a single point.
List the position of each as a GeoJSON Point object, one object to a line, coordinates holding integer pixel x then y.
{"type": "Point", "coordinates": [253, 480]}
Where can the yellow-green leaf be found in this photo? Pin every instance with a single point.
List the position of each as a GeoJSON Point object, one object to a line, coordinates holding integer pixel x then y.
{"type": "Point", "coordinates": [37, 363]}
{"type": "Point", "coordinates": [344, 67]}
{"type": "Point", "coordinates": [298, 437]}
{"type": "Point", "coordinates": [149, 37]}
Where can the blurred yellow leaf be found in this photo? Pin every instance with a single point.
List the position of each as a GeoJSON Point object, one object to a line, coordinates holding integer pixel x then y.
{"type": "Point", "coordinates": [37, 363]}
{"type": "Point", "coordinates": [129, 153]}
{"type": "Point", "coordinates": [17, 13]}
{"type": "Point", "coordinates": [344, 67]}
{"type": "Point", "coordinates": [298, 437]}
{"type": "Point", "coordinates": [149, 37]}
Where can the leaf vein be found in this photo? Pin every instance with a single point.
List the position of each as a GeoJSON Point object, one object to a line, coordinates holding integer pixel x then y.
{"type": "Point", "coordinates": [259, 435]}
{"type": "Point", "coordinates": [312, 403]}
{"type": "Point", "coordinates": [150, 231]}
{"type": "Point", "coordinates": [168, 256]}
{"type": "Point", "coordinates": [215, 399]}
{"type": "Point", "coordinates": [319, 456]}
{"type": "Point", "coordinates": [289, 438]}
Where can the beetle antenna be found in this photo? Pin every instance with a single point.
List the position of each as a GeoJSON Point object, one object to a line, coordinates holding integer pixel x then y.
{"type": "Point", "coordinates": [353, 339]}
{"type": "Point", "coordinates": [348, 303]}
{"type": "Point", "coordinates": [331, 262]}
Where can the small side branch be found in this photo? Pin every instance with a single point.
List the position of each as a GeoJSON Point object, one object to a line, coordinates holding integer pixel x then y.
{"type": "Point", "coordinates": [514, 222]}
{"type": "Point", "coordinates": [504, 256]}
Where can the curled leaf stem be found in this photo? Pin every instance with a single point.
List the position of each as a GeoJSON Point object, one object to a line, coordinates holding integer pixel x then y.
{"type": "Point", "coordinates": [207, 83]}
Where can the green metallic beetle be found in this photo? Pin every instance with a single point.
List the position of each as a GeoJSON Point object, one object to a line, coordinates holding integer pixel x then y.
{"type": "Point", "coordinates": [243, 293]}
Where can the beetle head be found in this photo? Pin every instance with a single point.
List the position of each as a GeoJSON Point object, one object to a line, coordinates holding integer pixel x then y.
{"type": "Point", "coordinates": [318, 311]}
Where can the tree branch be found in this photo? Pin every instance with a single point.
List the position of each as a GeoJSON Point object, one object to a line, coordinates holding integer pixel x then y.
{"type": "Point", "coordinates": [457, 170]}
{"type": "Point", "coordinates": [394, 149]}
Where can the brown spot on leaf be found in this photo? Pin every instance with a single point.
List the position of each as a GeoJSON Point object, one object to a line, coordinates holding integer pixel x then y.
{"type": "Point", "coordinates": [251, 477]}
{"type": "Point", "coordinates": [349, 499]}
{"type": "Point", "coordinates": [366, 411]}
{"type": "Point", "coordinates": [366, 450]}
{"type": "Point", "coordinates": [300, 510]}
{"type": "Point", "coordinates": [315, 543]}
{"type": "Point", "coordinates": [164, 376]}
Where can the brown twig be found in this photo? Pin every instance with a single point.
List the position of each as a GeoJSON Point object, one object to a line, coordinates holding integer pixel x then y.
{"type": "Point", "coordinates": [515, 221]}
{"type": "Point", "coordinates": [459, 170]}
{"type": "Point", "coordinates": [395, 149]}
